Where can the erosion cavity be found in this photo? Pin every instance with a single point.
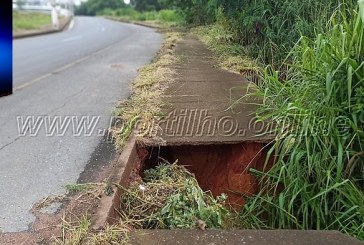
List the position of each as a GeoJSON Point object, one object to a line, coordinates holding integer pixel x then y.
{"type": "Point", "coordinates": [218, 168]}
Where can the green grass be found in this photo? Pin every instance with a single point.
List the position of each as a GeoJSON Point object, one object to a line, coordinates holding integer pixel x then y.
{"type": "Point", "coordinates": [317, 181]}
{"type": "Point", "coordinates": [129, 14]}
{"type": "Point", "coordinates": [231, 56]}
{"type": "Point", "coordinates": [30, 21]}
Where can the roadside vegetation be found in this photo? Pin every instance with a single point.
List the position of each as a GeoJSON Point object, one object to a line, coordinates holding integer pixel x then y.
{"type": "Point", "coordinates": [143, 108]}
{"type": "Point", "coordinates": [309, 61]}
{"type": "Point", "coordinates": [92, 7]}
{"type": "Point", "coordinates": [136, 7]}
{"type": "Point", "coordinates": [30, 21]}
{"type": "Point", "coordinates": [319, 148]}
{"type": "Point", "coordinates": [165, 17]}
{"type": "Point", "coordinates": [151, 12]}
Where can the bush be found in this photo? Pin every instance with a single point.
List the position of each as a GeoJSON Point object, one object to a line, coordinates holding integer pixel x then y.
{"type": "Point", "coordinates": [168, 15]}
{"type": "Point", "coordinates": [127, 12]}
{"type": "Point", "coordinates": [152, 15]}
{"type": "Point", "coordinates": [106, 12]}
{"type": "Point", "coordinates": [93, 7]}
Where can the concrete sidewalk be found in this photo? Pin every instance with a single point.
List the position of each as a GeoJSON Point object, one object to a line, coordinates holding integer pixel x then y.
{"type": "Point", "coordinates": [198, 103]}
{"type": "Point", "coordinates": [241, 237]}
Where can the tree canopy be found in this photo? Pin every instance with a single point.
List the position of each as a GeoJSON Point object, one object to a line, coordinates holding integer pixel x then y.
{"type": "Point", "coordinates": [147, 5]}
{"type": "Point", "coordinates": [92, 7]}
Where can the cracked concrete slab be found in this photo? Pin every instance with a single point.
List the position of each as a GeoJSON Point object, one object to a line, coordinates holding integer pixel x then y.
{"type": "Point", "coordinates": [206, 104]}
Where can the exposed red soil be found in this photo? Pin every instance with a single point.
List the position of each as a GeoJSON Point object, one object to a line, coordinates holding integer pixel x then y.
{"type": "Point", "coordinates": [218, 168]}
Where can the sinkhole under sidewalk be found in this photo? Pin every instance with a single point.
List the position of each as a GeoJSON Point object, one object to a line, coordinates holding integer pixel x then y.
{"type": "Point", "coordinates": [219, 168]}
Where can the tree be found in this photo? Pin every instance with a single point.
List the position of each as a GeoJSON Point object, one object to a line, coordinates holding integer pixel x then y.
{"type": "Point", "coordinates": [20, 4]}
{"type": "Point", "coordinates": [195, 11]}
{"type": "Point", "coordinates": [92, 7]}
{"type": "Point", "coordinates": [146, 5]}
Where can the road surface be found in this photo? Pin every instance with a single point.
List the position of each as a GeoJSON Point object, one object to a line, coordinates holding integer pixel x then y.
{"type": "Point", "coordinates": [65, 78]}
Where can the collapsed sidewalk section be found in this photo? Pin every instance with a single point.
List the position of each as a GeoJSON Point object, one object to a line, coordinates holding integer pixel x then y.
{"type": "Point", "coordinates": [209, 125]}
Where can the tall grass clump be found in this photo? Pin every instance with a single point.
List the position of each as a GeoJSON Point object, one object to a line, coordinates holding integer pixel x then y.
{"type": "Point", "coordinates": [266, 29]}
{"type": "Point", "coordinates": [269, 29]}
{"type": "Point", "coordinates": [318, 114]}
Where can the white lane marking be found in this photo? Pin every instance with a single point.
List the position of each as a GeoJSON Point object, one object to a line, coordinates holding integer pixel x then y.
{"type": "Point", "coordinates": [21, 86]}
{"type": "Point", "coordinates": [65, 67]}
{"type": "Point", "coordinates": [71, 39]}
{"type": "Point", "coordinates": [71, 25]}
{"type": "Point", "coordinates": [103, 29]}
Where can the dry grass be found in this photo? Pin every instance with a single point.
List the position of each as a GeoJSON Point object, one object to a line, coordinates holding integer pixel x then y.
{"type": "Point", "coordinates": [75, 227]}
{"type": "Point", "coordinates": [143, 108]}
{"type": "Point", "coordinates": [230, 56]}
{"type": "Point", "coordinates": [80, 232]}
{"type": "Point", "coordinates": [111, 235]}
{"type": "Point", "coordinates": [170, 198]}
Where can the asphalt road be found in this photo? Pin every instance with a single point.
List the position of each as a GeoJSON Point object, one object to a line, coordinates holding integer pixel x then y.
{"type": "Point", "coordinates": [71, 76]}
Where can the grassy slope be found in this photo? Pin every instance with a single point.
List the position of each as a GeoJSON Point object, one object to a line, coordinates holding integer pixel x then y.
{"type": "Point", "coordinates": [29, 21]}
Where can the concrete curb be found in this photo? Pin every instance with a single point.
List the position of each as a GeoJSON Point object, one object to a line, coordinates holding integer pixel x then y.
{"type": "Point", "coordinates": [38, 33]}
{"type": "Point", "coordinates": [133, 22]}
{"type": "Point", "coordinates": [241, 237]}
{"type": "Point", "coordinates": [106, 212]}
